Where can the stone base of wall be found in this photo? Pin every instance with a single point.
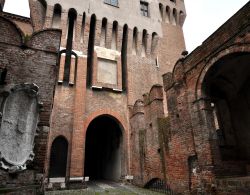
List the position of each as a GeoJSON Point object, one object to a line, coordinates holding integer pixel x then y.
{"type": "Point", "coordinates": [26, 182]}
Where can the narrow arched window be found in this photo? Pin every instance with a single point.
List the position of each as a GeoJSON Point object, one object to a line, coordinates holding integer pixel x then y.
{"type": "Point", "coordinates": [103, 33]}
{"type": "Point", "coordinates": [161, 10]}
{"type": "Point", "coordinates": [114, 35]}
{"type": "Point", "coordinates": [181, 18]}
{"type": "Point", "coordinates": [168, 18]}
{"type": "Point", "coordinates": [91, 44]}
{"type": "Point", "coordinates": [71, 25]}
{"type": "Point", "coordinates": [144, 42]}
{"type": "Point", "coordinates": [124, 56]}
{"type": "Point", "coordinates": [135, 39]}
{"type": "Point", "coordinates": [56, 21]}
{"type": "Point", "coordinates": [154, 42]}
{"type": "Point", "coordinates": [174, 17]}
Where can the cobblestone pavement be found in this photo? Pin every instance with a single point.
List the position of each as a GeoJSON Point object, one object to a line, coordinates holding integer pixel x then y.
{"type": "Point", "coordinates": [107, 188]}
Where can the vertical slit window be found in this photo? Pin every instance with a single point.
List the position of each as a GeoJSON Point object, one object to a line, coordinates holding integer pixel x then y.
{"type": "Point", "coordinates": [103, 33]}
{"type": "Point", "coordinates": [174, 17]}
{"type": "Point", "coordinates": [168, 14]}
{"type": "Point", "coordinates": [144, 43]}
{"type": "Point", "coordinates": [135, 39]}
{"type": "Point", "coordinates": [91, 45]}
{"type": "Point", "coordinates": [161, 10]}
{"type": "Point", "coordinates": [114, 36]}
{"type": "Point", "coordinates": [154, 42]}
{"type": "Point", "coordinates": [71, 23]}
{"type": "Point", "coordinates": [181, 18]}
{"type": "Point", "coordinates": [124, 56]}
{"type": "Point", "coordinates": [56, 21]}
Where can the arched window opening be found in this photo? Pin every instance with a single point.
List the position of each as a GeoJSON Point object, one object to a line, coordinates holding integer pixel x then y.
{"type": "Point", "coordinates": [168, 15]}
{"type": "Point", "coordinates": [174, 17]}
{"type": "Point", "coordinates": [144, 42]}
{"type": "Point", "coordinates": [114, 35]}
{"type": "Point", "coordinates": [103, 33]}
{"type": "Point", "coordinates": [124, 56]}
{"type": "Point", "coordinates": [181, 18]}
{"type": "Point", "coordinates": [83, 27]}
{"type": "Point", "coordinates": [135, 41]}
{"type": "Point", "coordinates": [71, 24]}
{"type": "Point", "coordinates": [154, 42]}
{"type": "Point", "coordinates": [91, 44]}
{"type": "Point", "coordinates": [56, 21]}
{"type": "Point", "coordinates": [161, 10]}
{"type": "Point", "coordinates": [58, 157]}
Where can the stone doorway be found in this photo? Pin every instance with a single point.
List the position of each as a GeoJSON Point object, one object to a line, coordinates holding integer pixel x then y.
{"type": "Point", "coordinates": [103, 149]}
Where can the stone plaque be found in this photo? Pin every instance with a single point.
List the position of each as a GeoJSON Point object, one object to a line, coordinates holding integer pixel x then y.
{"type": "Point", "coordinates": [18, 127]}
{"type": "Point", "coordinates": [107, 71]}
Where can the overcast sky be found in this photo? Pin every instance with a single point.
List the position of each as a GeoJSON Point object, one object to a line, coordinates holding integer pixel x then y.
{"type": "Point", "coordinates": [203, 16]}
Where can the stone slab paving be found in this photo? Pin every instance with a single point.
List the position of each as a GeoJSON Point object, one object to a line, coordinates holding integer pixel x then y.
{"type": "Point", "coordinates": [106, 188]}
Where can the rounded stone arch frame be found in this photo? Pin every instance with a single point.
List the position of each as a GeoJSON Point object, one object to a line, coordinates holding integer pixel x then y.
{"type": "Point", "coordinates": [199, 93]}
{"type": "Point", "coordinates": [124, 130]}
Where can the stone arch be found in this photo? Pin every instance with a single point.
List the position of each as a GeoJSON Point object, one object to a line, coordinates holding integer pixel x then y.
{"type": "Point", "coordinates": [58, 157]}
{"type": "Point", "coordinates": [199, 94]}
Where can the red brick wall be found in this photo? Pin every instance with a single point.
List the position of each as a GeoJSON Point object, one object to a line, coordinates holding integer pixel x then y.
{"type": "Point", "coordinates": [31, 62]}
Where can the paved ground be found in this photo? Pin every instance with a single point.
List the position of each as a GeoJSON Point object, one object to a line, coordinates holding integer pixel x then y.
{"type": "Point", "coordinates": [107, 188]}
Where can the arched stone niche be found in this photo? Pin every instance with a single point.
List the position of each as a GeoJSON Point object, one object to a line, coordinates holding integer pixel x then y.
{"type": "Point", "coordinates": [19, 118]}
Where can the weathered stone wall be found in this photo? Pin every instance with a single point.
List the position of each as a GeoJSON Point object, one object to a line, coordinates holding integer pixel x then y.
{"type": "Point", "coordinates": [146, 149]}
{"type": "Point", "coordinates": [193, 160]}
{"type": "Point", "coordinates": [22, 22]}
{"type": "Point", "coordinates": [32, 61]}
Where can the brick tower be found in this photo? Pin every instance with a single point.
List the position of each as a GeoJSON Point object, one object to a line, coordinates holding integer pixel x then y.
{"type": "Point", "coordinates": [112, 52]}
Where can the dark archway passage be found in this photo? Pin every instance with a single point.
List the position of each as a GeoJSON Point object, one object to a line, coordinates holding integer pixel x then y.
{"type": "Point", "coordinates": [227, 86]}
{"type": "Point", "coordinates": [58, 157]}
{"type": "Point", "coordinates": [103, 149]}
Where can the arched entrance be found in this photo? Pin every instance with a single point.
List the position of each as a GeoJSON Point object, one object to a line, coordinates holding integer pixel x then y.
{"type": "Point", "coordinates": [227, 87]}
{"type": "Point", "coordinates": [103, 149]}
{"type": "Point", "coordinates": [58, 157]}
